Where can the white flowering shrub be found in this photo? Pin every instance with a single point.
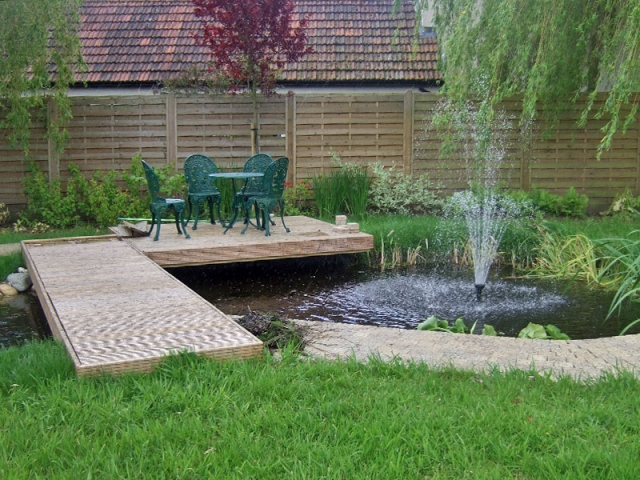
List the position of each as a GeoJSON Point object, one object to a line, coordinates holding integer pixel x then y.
{"type": "Point", "coordinates": [397, 193]}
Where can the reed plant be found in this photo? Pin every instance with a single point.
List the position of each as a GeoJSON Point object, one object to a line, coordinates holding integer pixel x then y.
{"type": "Point", "coordinates": [621, 268]}
{"type": "Point", "coordinates": [294, 418]}
{"type": "Point", "coordinates": [344, 191]}
{"type": "Point", "coordinates": [572, 257]}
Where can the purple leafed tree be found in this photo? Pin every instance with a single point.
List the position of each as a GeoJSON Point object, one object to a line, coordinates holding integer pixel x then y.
{"type": "Point", "coordinates": [250, 41]}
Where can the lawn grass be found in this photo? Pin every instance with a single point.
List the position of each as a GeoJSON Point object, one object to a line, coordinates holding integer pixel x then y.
{"type": "Point", "coordinates": [306, 419]}
{"type": "Point", "coordinates": [10, 263]}
{"type": "Point", "coordinates": [9, 236]}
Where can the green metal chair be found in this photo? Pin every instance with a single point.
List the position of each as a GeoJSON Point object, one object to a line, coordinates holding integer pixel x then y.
{"type": "Point", "coordinates": [254, 186]}
{"type": "Point", "coordinates": [273, 187]}
{"type": "Point", "coordinates": [159, 205]}
{"type": "Point", "coordinates": [202, 188]}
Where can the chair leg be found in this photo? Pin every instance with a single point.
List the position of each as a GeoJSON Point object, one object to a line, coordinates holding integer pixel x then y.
{"type": "Point", "coordinates": [210, 201]}
{"type": "Point", "coordinates": [190, 205]}
{"type": "Point", "coordinates": [158, 221]}
{"type": "Point", "coordinates": [178, 213]}
{"type": "Point", "coordinates": [196, 215]}
{"type": "Point", "coordinates": [281, 202]}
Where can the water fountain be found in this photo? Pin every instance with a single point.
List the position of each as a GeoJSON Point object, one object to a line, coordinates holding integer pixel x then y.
{"type": "Point", "coordinates": [482, 138]}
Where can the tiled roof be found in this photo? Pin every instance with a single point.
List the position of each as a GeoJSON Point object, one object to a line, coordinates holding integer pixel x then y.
{"type": "Point", "coordinates": [353, 40]}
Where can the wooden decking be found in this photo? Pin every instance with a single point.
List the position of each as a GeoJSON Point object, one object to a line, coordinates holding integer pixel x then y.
{"type": "Point", "coordinates": [116, 310]}
{"type": "Point", "coordinates": [208, 245]}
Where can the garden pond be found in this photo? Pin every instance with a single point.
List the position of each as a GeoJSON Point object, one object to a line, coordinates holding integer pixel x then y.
{"type": "Point", "coordinates": [334, 289]}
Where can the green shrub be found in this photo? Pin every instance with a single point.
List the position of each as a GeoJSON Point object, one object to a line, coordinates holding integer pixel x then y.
{"type": "Point", "coordinates": [99, 200]}
{"type": "Point", "coordinates": [297, 198]}
{"type": "Point", "coordinates": [396, 193]}
{"type": "Point", "coordinates": [572, 204]}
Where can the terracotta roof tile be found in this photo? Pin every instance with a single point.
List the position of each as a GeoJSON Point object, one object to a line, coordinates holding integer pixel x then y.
{"type": "Point", "coordinates": [152, 40]}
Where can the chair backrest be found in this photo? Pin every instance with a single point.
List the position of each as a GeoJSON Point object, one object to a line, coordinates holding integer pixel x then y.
{"type": "Point", "coordinates": [275, 176]}
{"type": "Point", "coordinates": [196, 172]}
{"type": "Point", "coordinates": [257, 163]}
{"type": "Point", "coordinates": [152, 182]}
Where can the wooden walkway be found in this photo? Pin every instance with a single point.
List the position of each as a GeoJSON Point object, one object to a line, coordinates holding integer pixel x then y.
{"type": "Point", "coordinates": [115, 310]}
{"type": "Point", "coordinates": [208, 245]}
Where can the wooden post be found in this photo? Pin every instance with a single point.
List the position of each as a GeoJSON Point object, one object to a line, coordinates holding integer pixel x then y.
{"type": "Point", "coordinates": [53, 157]}
{"type": "Point", "coordinates": [637, 185]}
{"type": "Point", "coordinates": [172, 130]}
{"type": "Point", "coordinates": [290, 123]}
{"type": "Point", "coordinates": [407, 142]}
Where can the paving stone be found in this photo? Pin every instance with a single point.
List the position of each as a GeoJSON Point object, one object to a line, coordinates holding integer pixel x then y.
{"type": "Point", "coordinates": [580, 359]}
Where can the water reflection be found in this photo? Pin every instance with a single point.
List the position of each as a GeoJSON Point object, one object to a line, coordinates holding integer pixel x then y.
{"type": "Point", "coordinates": [21, 319]}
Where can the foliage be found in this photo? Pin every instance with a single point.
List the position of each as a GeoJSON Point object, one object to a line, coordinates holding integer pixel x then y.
{"type": "Point", "coordinates": [10, 263]}
{"type": "Point", "coordinates": [297, 198]}
{"type": "Point", "coordinates": [4, 214]}
{"type": "Point", "coordinates": [534, 331]}
{"type": "Point", "coordinates": [99, 200]}
{"type": "Point", "coordinates": [621, 261]}
{"type": "Point", "coordinates": [37, 37]}
{"type": "Point", "coordinates": [547, 51]}
{"type": "Point", "coordinates": [344, 191]}
{"type": "Point", "coordinates": [572, 257]}
{"type": "Point", "coordinates": [194, 80]}
{"type": "Point", "coordinates": [433, 323]}
{"type": "Point", "coordinates": [572, 204]}
{"type": "Point", "coordinates": [250, 41]}
{"type": "Point", "coordinates": [624, 204]}
{"type": "Point", "coordinates": [401, 194]}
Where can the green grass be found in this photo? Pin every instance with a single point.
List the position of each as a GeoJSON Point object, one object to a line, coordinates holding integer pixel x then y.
{"type": "Point", "coordinates": [10, 263]}
{"type": "Point", "coordinates": [302, 419]}
{"type": "Point", "coordinates": [592, 227]}
{"type": "Point", "coordinates": [8, 236]}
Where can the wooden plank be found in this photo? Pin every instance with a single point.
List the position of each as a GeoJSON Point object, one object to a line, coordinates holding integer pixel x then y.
{"type": "Point", "coordinates": [116, 311]}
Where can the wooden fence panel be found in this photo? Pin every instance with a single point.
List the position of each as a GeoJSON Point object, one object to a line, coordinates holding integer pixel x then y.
{"type": "Point", "coordinates": [14, 164]}
{"type": "Point", "coordinates": [357, 128]}
{"type": "Point", "coordinates": [107, 132]}
{"type": "Point", "coordinates": [220, 127]}
{"type": "Point", "coordinates": [393, 129]}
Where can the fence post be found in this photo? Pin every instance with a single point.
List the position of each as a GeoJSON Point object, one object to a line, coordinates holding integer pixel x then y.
{"type": "Point", "coordinates": [407, 142]}
{"type": "Point", "coordinates": [290, 133]}
{"type": "Point", "coordinates": [53, 156]}
{"type": "Point", "coordinates": [637, 185]}
{"type": "Point", "coordinates": [172, 130]}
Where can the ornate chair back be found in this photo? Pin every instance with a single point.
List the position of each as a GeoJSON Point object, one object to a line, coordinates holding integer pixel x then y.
{"type": "Point", "coordinates": [152, 183]}
{"type": "Point", "coordinates": [256, 163]}
{"type": "Point", "coordinates": [196, 172]}
{"type": "Point", "coordinates": [202, 188]}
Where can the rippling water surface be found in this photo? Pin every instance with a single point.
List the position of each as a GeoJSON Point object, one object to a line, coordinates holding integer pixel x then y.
{"type": "Point", "coordinates": [331, 289]}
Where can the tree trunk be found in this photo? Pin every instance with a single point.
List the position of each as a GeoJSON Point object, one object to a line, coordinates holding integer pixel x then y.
{"type": "Point", "coordinates": [255, 126]}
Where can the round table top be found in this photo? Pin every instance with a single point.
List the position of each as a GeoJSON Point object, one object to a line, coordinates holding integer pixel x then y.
{"type": "Point", "coordinates": [237, 175]}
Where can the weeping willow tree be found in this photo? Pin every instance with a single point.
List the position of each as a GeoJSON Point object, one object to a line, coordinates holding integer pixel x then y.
{"type": "Point", "coordinates": [40, 52]}
{"type": "Point", "coordinates": [550, 52]}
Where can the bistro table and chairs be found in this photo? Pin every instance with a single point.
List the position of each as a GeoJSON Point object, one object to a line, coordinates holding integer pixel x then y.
{"type": "Point", "coordinates": [257, 187]}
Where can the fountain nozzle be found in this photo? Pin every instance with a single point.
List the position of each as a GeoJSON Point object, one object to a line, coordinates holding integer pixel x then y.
{"type": "Point", "coordinates": [479, 292]}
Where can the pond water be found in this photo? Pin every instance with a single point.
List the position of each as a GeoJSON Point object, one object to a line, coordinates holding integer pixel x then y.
{"type": "Point", "coordinates": [334, 289]}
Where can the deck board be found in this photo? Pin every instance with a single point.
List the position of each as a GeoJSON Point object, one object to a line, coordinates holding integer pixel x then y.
{"type": "Point", "coordinates": [115, 310]}
{"type": "Point", "coordinates": [209, 245]}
